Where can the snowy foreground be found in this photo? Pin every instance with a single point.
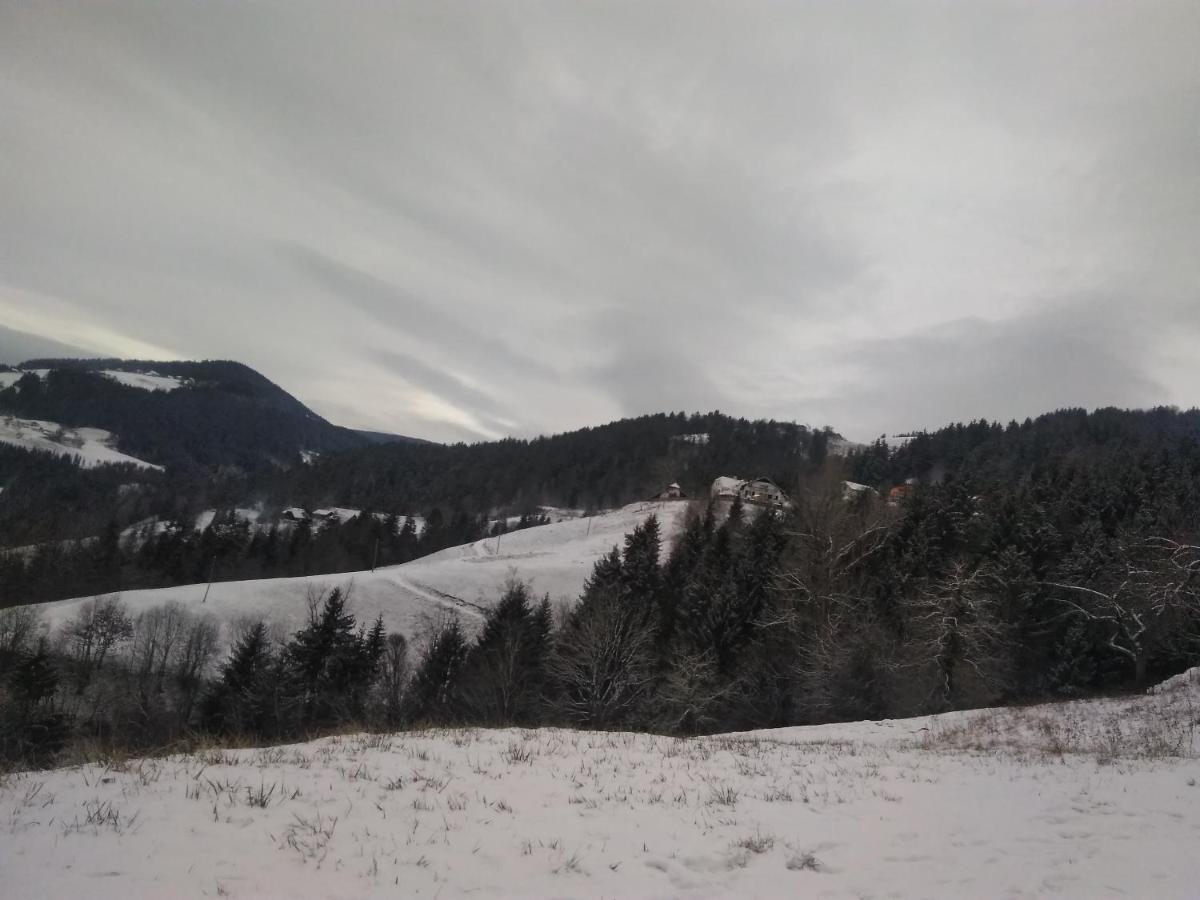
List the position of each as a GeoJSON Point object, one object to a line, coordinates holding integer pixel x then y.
{"type": "Point", "coordinates": [556, 559]}
{"type": "Point", "coordinates": [1090, 799]}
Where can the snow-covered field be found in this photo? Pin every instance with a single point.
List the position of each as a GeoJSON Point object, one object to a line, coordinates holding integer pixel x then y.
{"type": "Point", "coordinates": [92, 446]}
{"type": "Point", "coordinates": [146, 381]}
{"type": "Point", "coordinates": [987, 804]}
{"type": "Point", "coordinates": [8, 379]}
{"type": "Point", "coordinates": [556, 558]}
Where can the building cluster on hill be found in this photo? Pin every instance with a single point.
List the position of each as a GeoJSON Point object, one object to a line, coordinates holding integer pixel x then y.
{"type": "Point", "coordinates": [755, 491]}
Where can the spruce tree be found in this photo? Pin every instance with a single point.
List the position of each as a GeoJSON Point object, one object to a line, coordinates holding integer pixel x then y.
{"type": "Point", "coordinates": [433, 695]}
{"type": "Point", "coordinates": [641, 574]}
{"type": "Point", "coordinates": [240, 699]}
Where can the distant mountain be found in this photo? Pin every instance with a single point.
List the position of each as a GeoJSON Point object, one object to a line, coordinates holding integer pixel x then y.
{"type": "Point", "coordinates": [181, 415]}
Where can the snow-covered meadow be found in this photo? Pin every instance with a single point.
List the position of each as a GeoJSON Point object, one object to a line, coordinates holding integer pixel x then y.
{"type": "Point", "coordinates": [1087, 799]}
{"type": "Point", "coordinates": [91, 446]}
{"type": "Point", "coordinates": [556, 559]}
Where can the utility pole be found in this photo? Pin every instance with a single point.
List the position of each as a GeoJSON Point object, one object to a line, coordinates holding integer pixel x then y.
{"type": "Point", "coordinates": [211, 568]}
{"type": "Point", "coordinates": [375, 556]}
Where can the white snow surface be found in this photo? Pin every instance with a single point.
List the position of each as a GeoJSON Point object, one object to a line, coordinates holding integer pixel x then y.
{"type": "Point", "coordinates": [726, 484]}
{"type": "Point", "coordinates": [249, 514]}
{"type": "Point", "coordinates": [8, 379]}
{"type": "Point", "coordinates": [852, 488]}
{"type": "Point", "coordinates": [993, 803]}
{"type": "Point", "coordinates": [93, 446]}
{"type": "Point", "coordinates": [463, 580]}
{"type": "Point", "coordinates": [341, 513]}
{"type": "Point", "coordinates": [147, 381]}
{"type": "Point", "coordinates": [1189, 680]}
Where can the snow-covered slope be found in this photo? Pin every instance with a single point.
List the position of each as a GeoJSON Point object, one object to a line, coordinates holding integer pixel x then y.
{"type": "Point", "coordinates": [464, 580]}
{"type": "Point", "coordinates": [8, 379]}
{"type": "Point", "coordinates": [835, 811]}
{"type": "Point", "coordinates": [147, 381]}
{"type": "Point", "coordinates": [92, 446]}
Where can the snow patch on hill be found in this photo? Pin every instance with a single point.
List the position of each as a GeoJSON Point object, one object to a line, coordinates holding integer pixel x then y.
{"type": "Point", "coordinates": [91, 446]}
{"type": "Point", "coordinates": [8, 379]}
{"type": "Point", "coordinates": [146, 381]}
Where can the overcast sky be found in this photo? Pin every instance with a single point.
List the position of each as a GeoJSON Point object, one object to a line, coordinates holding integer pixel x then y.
{"type": "Point", "coordinates": [460, 221]}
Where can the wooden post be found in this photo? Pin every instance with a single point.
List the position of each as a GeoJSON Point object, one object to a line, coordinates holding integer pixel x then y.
{"type": "Point", "coordinates": [212, 568]}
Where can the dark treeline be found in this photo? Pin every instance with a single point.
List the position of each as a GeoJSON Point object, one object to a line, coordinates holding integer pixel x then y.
{"type": "Point", "coordinates": [840, 610]}
{"type": "Point", "coordinates": [593, 468]}
{"type": "Point", "coordinates": [141, 682]}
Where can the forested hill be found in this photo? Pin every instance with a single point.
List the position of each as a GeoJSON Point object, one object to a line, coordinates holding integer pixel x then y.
{"type": "Point", "coordinates": [1115, 463]}
{"type": "Point", "coordinates": [600, 467]}
{"type": "Point", "coordinates": [210, 414]}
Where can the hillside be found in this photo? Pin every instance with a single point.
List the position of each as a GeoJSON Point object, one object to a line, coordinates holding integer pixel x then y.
{"type": "Point", "coordinates": [463, 580]}
{"type": "Point", "coordinates": [181, 415]}
{"type": "Point", "coordinates": [1080, 799]}
{"type": "Point", "coordinates": [593, 468]}
{"type": "Point", "coordinates": [89, 446]}
{"type": "Point", "coordinates": [466, 487]}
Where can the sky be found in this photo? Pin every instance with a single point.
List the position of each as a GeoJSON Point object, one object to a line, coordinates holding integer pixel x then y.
{"type": "Point", "coordinates": [467, 220]}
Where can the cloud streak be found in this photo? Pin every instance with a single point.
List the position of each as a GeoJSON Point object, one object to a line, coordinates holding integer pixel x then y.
{"type": "Point", "coordinates": [459, 222]}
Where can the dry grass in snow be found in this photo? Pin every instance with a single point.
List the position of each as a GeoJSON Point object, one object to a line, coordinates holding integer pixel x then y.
{"type": "Point", "coordinates": [1083, 800]}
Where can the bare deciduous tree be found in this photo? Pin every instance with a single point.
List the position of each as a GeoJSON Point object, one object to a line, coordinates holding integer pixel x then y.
{"type": "Point", "coordinates": [393, 677]}
{"type": "Point", "coordinates": [156, 636]}
{"type": "Point", "coordinates": [18, 626]}
{"type": "Point", "coordinates": [957, 640]}
{"type": "Point", "coordinates": [101, 624]}
{"type": "Point", "coordinates": [603, 662]}
{"type": "Point", "coordinates": [1148, 599]}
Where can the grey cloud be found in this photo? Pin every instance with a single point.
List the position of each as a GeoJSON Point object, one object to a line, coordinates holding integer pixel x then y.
{"type": "Point", "coordinates": [552, 214]}
{"type": "Point", "coordinates": [1076, 354]}
{"type": "Point", "coordinates": [392, 305]}
{"type": "Point", "coordinates": [487, 408]}
{"type": "Point", "coordinates": [18, 346]}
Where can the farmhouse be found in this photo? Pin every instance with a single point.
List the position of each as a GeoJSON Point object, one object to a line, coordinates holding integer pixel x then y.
{"type": "Point", "coordinates": [757, 491]}
{"type": "Point", "coordinates": [671, 492]}
{"type": "Point", "coordinates": [764, 492]}
{"type": "Point", "coordinates": [725, 488]}
{"type": "Point", "coordinates": [900, 491]}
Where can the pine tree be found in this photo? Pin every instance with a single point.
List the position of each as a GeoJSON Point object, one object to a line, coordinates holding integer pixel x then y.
{"type": "Point", "coordinates": [433, 695]}
{"type": "Point", "coordinates": [606, 578]}
{"type": "Point", "coordinates": [641, 574]}
{"type": "Point", "coordinates": [737, 514]}
{"type": "Point", "coordinates": [505, 670]}
{"type": "Point", "coordinates": [34, 679]}
{"type": "Point", "coordinates": [32, 729]}
{"type": "Point", "coordinates": [239, 700]}
{"type": "Point", "coordinates": [680, 567]}
{"type": "Point", "coordinates": [330, 666]}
